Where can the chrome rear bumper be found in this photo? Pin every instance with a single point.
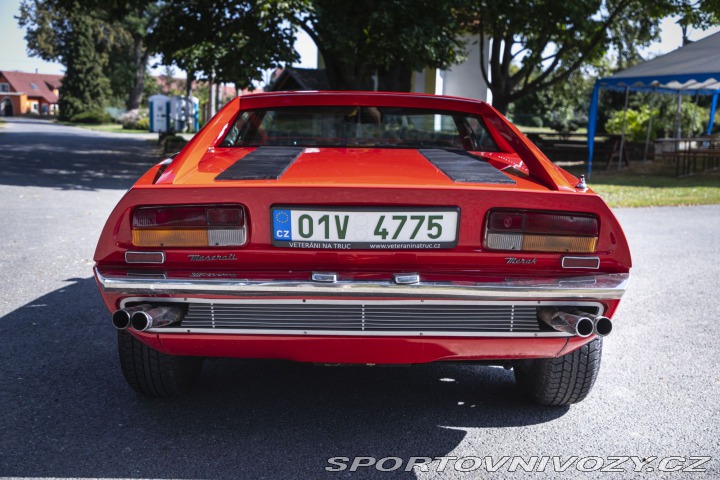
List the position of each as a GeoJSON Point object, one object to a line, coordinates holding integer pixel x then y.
{"type": "Point", "coordinates": [592, 287]}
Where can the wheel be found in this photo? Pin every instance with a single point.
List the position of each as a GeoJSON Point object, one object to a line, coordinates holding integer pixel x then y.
{"type": "Point", "coordinates": [562, 380]}
{"type": "Point", "coordinates": [155, 374]}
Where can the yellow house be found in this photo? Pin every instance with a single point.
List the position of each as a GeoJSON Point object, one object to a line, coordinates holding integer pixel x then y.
{"type": "Point", "coordinates": [22, 93]}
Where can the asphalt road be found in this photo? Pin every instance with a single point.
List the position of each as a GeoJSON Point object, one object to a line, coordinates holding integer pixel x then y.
{"type": "Point", "coordinates": [65, 410]}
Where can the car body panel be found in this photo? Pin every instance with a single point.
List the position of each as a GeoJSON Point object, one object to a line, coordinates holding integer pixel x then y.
{"type": "Point", "coordinates": [612, 251]}
{"type": "Point", "coordinates": [359, 177]}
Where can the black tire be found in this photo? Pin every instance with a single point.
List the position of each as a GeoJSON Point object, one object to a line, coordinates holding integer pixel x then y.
{"type": "Point", "coordinates": [155, 374]}
{"type": "Point", "coordinates": [563, 380]}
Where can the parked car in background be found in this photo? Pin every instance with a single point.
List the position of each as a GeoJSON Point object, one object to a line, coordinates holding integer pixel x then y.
{"type": "Point", "coordinates": [362, 228]}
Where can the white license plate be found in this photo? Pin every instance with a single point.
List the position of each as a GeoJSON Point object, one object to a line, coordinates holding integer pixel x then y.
{"type": "Point", "coordinates": [365, 228]}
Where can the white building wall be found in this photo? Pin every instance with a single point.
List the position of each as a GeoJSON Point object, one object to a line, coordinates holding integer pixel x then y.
{"type": "Point", "coordinates": [465, 79]}
{"type": "Point", "coordinates": [418, 82]}
{"type": "Point", "coordinates": [462, 80]}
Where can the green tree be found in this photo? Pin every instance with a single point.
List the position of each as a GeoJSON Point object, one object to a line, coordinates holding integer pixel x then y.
{"type": "Point", "coordinates": [118, 29]}
{"type": "Point", "coordinates": [390, 38]}
{"type": "Point", "coordinates": [562, 106]}
{"type": "Point", "coordinates": [62, 31]}
{"type": "Point", "coordinates": [548, 40]}
{"type": "Point", "coordinates": [84, 85]}
{"type": "Point", "coordinates": [131, 21]}
{"type": "Point", "coordinates": [697, 13]}
{"type": "Point", "coordinates": [223, 40]}
{"type": "Point", "coordinates": [536, 44]}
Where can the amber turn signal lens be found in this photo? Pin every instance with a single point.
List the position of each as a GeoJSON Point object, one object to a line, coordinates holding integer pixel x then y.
{"type": "Point", "coordinates": [548, 243]}
{"type": "Point", "coordinates": [170, 238]}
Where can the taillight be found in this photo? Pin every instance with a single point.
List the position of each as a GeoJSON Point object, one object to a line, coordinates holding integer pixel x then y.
{"type": "Point", "coordinates": [529, 231]}
{"type": "Point", "coordinates": [189, 226]}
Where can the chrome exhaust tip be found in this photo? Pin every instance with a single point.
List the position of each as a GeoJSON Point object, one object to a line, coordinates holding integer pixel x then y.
{"type": "Point", "coordinates": [602, 325]}
{"type": "Point", "coordinates": [141, 321]}
{"type": "Point", "coordinates": [155, 318]}
{"type": "Point", "coordinates": [579, 325]}
{"type": "Point", "coordinates": [121, 317]}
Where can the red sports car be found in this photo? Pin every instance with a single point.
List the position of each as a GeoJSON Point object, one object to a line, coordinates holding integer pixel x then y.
{"type": "Point", "coordinates": [362, 228]}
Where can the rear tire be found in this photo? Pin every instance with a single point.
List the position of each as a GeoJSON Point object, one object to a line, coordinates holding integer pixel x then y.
{"type": "Point", "coordinates": [155, 374]}
{"type": "Point", "coordinates": [562, 380]}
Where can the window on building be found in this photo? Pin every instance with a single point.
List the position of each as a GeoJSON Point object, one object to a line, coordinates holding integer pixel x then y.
{"type": "Point", "coordinates": [33, 86]}
{"type": "Point", "coordinates": [4, 87]}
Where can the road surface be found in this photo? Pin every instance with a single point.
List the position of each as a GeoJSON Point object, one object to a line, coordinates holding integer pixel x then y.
{"type": "Point", "coordinates": [66, 411]}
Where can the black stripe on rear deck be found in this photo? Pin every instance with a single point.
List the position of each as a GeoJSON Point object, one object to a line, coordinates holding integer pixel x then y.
{"type": "Point", "coordinates": [264, 163]}
{"type": "Point", "coordinates": [461, 166]}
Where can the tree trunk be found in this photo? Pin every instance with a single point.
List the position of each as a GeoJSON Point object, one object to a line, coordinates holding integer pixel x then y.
{"type": "Point", "coordinates": [140, 60]}
{"type": "Point", "coordinates": [212, 100]}
{"type": "Point", "coordinates": [189, 82]}
{"type": "Point", "coordinates": [397, 78]}
{"type": "Point", "coordinates": [346, 75]}
{"type": "Point", "coordinates": [500, 102]}
{"type": "Point", "coordinates": [502, 91]}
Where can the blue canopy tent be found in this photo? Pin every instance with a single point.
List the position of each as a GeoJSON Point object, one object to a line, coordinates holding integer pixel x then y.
{"type": "Point", "coordinates": [690, 70]}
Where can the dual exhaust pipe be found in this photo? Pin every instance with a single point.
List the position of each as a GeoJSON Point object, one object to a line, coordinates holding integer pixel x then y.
{"type": "Point", "coordinates": [577, 323]}
{"type": "Point", "coordinates": [144, 317]}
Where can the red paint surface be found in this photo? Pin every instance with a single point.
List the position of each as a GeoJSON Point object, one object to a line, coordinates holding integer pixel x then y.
{"type": "Point", "coordinates": [347, 349]}
{"type": "Point", "coordinates": [360, 177]}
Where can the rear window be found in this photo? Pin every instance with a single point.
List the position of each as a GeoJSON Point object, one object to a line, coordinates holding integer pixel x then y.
{"type": "Point", "coordinates": [374, 127]}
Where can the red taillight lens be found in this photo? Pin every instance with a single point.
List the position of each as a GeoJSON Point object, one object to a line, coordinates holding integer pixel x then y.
{"type": "Point", "coordinates": [506, 222]}
{"type": "Point", "coordinates": [153, 217]}
{"type": "Point", "coordinates": [541, 231]}
{"type": "Point", "coordinates": [189, 226]}
{"type": "Point", "coordinates": [561, 224]}
{"type": "Point", "coordinates": [225, 217]}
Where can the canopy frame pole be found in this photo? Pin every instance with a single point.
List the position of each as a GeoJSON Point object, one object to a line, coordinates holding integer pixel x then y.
{"type": "Point", "coordinates": [713, 107]}
{"type": "Point", "coordinates": [649, 129]}
{"type": "Point", "coordinates": [624, 126]}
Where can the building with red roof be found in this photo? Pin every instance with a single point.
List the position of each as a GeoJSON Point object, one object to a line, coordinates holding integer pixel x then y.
{"type": "Point", "coordinates": [22, 93]}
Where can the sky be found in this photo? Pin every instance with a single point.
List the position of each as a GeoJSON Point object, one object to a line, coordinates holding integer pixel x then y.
{"type": "Point", "coordinates": [13, 54]}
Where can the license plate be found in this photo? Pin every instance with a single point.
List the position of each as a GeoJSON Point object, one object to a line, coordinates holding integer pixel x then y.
{"type": "Point", "coordinates": [365, 228]}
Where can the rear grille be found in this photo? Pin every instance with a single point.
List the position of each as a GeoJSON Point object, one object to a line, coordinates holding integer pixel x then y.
{"type": "Point", "coordinates": [363, 316]}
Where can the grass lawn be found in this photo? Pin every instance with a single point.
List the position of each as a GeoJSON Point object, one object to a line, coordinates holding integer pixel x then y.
{"type": "Point", "coordinates": [106, 127]}
{"type": "Point", "coordinates": [653, 184]}
{"type": "Point", "coordinates": [110, 127]}
{"type": "Point", "coordinates": [527, 129]}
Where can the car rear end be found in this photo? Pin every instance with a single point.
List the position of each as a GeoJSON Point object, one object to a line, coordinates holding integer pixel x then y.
{"type": "Point", "coordinates": [369, 254]}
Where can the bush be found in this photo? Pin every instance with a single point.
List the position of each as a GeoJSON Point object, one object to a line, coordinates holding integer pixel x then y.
{"type": "Point", "coordinates": [536, 121]}
{"type": "Point", "coordinates": [527, 120]}
{"type": "Point", "coordinates": [692, 122]}
{"type": "Point", "coordinates": [636, 123]}
{"type": "Point", "coordinates": [143, 124]}
{"type": "Point", "coordinates": [173, 143]}
{"type": "Point", "coordinates": [92, 117]}
{"type": "Point", "coordinates": [135, 119]}
{"type": "Point", "coordinates": [562, 123]}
